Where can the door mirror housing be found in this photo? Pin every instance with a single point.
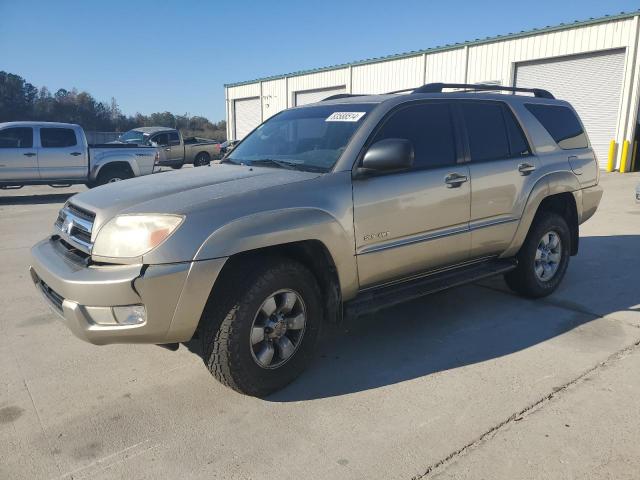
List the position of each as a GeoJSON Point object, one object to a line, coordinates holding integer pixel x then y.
{"type": "Point", "coordinates": [390, 154]}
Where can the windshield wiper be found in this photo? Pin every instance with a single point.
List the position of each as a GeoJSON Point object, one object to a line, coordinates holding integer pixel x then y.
{"type": "Point", "coordinates": [288, 165]}
{"type": "Point", "coordinates": [274, 162]}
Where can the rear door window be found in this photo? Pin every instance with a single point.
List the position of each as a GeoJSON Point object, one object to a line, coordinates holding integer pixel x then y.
{"type": "Point", "coordinates": [162, 139]}
{"type": "Point", "coordinates": [57, 137]}
{"type": "Point", "coordinates": [174, 139]}
{"type": "Point", "coordinates": [561, 123]}
{"type": "Point", "coordinates": [518, 144]}
{"type": "Point", "coordinates": [429, 127]}
{"type": "Point", "coordinates": [486, 131]}
{"type": "Point", "coordinates": [16, 137]}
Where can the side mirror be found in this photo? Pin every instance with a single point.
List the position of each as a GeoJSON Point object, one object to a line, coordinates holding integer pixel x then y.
{"type": "Point", "coordinates": [388, 155]}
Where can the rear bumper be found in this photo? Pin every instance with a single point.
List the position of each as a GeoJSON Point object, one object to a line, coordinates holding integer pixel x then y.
{"type": "Point", "coordinates": [173, 295]}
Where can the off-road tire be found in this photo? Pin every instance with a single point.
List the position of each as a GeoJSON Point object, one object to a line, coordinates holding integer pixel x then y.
{"type": "Point", "coordinates": [229, 314]}
{"type": "Point", "coordinates": [523, 279]}
{"type": "Point", "coordinates": [112, 174]}
{"type": "Point", "coordinates": [201, 160]}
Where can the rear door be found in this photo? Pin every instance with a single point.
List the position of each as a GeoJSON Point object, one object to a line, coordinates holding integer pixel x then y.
{"type": "Point", "coordinates": [18, 158]}
{"type": "Point", "coordinates": [501, 164]}
{"type": "Point", "coordinates": [61, 154]}
{"type": "Point", "coordinates": [413, 221]}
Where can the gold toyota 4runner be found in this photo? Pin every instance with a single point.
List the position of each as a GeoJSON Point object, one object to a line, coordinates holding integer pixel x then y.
{"type": "Point", "coordinates": [324, 211]}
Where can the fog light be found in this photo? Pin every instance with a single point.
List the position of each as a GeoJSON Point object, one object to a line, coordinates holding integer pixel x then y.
{"type": "Point", "coordinates": [130, 314]}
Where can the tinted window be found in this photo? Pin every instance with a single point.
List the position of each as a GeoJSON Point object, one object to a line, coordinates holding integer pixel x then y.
{"type": "Point", "coordinates": [486, 131]}
{"type": "Point", "coordinates": [162, 139]}
{"type": "Point", "coordinates": [174, 139]}
{"type": "Point", "coordinates": [517, 142]}
{"type": "Point", "coordinates": [18, 137]}
{"type": "Point", "coordinates": [561, 123]}
{"type": "Point", "coordinates": [57, 137]}
{"type": "Point", "coordinates": [429, 128]}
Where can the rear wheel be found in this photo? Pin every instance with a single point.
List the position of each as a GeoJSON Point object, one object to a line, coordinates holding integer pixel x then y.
{"type": "Point", "coordinates": [543, 258]}
{"type": "Point", "coordinates": [260, 330]}
{"type": "Point", "coordinates": [202, 159]}
{"type": "Point", "coordinates": [112, 175]}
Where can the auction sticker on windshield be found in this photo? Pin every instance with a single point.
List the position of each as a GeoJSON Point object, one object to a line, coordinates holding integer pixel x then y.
{"type": "Point", "coordinates": [345, 116]}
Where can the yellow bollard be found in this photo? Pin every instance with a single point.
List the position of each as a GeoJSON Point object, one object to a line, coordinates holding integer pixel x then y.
{"type": "Point", "coordinates": [624, 157]}
{"type": "Point", "coordinates": [611, 164]}
{"type": "Point", "coordinates": [633, 157]}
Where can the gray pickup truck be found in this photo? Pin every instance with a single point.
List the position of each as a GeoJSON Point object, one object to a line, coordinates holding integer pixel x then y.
{"type": "Point", "coordinates": [175, 151]}
{"type": "Point", "coordinates": [57, 154]}
{"type": "Point", "coordinates": [325, 211]}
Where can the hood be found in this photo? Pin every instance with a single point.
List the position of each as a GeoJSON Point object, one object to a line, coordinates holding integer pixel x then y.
{"type": "Point", "coordinates": [182, 191]}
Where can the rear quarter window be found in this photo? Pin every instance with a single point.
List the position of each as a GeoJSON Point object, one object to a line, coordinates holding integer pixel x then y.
{"type": "Point", "coordinates": [561, 123]}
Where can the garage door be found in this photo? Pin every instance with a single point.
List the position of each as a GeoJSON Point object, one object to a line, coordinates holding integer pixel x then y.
{"type": "Point", "coordinates": [247, 116]}
{"type": "Point", "coordinates": [592, 83]}
{"type": "Point", "coordinates": [312, 96]}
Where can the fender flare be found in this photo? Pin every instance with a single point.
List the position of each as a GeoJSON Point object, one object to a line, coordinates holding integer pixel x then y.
{"type": "Point", "coordinates": [106, 160]}
{"type": "Point", "coordinates": [279, 227]}
{"type": "Point", "coordinates": [550, 184]}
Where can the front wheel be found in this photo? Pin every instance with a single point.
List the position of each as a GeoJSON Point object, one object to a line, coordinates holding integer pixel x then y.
{"type": "Point", "coordinates": [543, 258]}
{"type": "Point", "coordinates": [260, 328]}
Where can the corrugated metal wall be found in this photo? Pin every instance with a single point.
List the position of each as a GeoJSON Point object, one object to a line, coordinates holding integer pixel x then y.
{"type": "Point", "coordinates": [489, 61]}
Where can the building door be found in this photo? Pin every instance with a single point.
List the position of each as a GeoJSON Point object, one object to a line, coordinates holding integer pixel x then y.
{"type": "Point", "coordinates": [305, 97]}
{"type": "Point", "coordinates": [592, 83]}
{"type": "Point", "coordinates": [247, 116]}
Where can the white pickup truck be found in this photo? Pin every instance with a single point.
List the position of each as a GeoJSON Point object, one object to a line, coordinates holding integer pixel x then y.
{"type": "Point", "coordinates": [57, 154]}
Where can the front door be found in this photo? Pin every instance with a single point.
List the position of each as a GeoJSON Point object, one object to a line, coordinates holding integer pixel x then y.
{"type": "Point", "coordinates": [61, 155]}
{"type": "Point", "coordinates": [18, 158]}
{"type": "Point", "coordinates": [176, 150]}
{"type": "Point", "coordinates": [410, 222]}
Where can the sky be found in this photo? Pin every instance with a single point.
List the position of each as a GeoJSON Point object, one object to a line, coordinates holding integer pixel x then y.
{"type": "Point", "coordinates": [176, 56]}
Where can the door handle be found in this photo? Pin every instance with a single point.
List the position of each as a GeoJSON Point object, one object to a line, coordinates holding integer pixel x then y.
{"type": "Point", "coordinates": [167, 149]}
{"type": "Point", "coordinates": [75, 154]}
{"type": "Point", "coordinates": [454, 180]}
{"type": "Point", "coordinates": [29, 154]}
{"type": "Point", "coordinates": [526, 168]}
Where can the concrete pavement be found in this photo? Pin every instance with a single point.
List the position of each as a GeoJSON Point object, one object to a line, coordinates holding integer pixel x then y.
{"type": "Point", "coordinates": [462, 384]}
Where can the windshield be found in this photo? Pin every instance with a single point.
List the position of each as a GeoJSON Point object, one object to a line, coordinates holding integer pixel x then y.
{"type": "Point", "coordinates": [133, 136]}
{"type": "Point", "coordinates": [310, 138]}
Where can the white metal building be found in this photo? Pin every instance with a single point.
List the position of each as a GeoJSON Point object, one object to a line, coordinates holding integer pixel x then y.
{"type": "Point", "coordinates": [594, 64]}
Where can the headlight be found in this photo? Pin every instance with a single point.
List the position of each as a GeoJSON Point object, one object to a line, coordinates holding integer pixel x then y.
{"type": "Point", "coordinates": [134, 235]}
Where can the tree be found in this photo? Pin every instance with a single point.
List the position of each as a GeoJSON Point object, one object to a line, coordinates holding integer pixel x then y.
{"type": "Point", "coordinates": [20, 100]}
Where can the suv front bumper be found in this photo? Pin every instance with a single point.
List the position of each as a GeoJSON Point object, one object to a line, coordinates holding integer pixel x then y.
{"type": "Point", "coordinates": [174, 296]}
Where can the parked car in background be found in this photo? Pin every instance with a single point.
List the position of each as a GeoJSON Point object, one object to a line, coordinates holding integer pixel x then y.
{"type": "Point", "coordinates": [227, 146]}
{"type": "Point", "coordinates": [335, 208]}
{"type": "Point", "coordinates": [175, 151]}
{"type": "Point", "coordinates": [57, 154]}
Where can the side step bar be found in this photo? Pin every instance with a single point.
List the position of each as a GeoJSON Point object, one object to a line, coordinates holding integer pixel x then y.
{"type": "Point", "coordinates": [378, 298]}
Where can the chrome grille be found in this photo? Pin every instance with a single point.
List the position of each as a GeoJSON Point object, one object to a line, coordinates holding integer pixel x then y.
{"type": "Point", "coordinates": [74, 225]}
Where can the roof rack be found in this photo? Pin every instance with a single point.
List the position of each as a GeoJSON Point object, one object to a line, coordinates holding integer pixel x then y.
{"type": "Point", "coordinates": [438, 87]}
{"type": "Point", "coordinates": [343, 95]}
{"type": "Point", "coordinates": [401, 91]}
